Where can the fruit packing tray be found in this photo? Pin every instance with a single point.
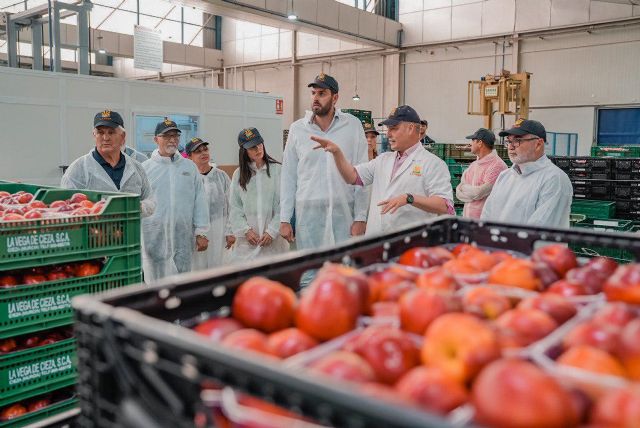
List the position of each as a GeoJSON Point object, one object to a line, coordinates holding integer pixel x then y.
{"type": "Point", "coordinates": [38, 242]}
{"type": "Point", "coordinates": [62, 400]}
{"type": "Point", "coordinates": [132, 356]}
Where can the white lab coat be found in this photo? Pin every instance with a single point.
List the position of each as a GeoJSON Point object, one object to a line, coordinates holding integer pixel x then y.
{"type": "Point", "coordinates": [256, 208]}
{"type": "Point", "coordinates": [216, 186]}
{"type": "Point", "coordinates": [85, 173]}
{"type": "Point", "coordinates": [182, 212]}
{"type": "Point", "coordinates": [421, 174]}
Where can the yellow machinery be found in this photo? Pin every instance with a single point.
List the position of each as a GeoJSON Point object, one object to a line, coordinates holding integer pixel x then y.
{"type": "Point", "coordinates": [509, 91]}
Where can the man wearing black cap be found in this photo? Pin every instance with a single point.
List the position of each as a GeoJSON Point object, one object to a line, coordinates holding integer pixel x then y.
{"type": "Point", "coordinates": [478, 180]}
{"type": "Point", "coordinates": [424, 138]}
{"type": "Point", "coordinates": [105, 168]}
{"type": "Point", "coordinates": [533, 191]}
{"type": "Point", "coordinates": [181, 219]}
{"type": "Point", "coordinates": [410, 184]}
{"type": "Point", "coordinates": [328, 210]}
{"type": "Point", "coordinates": [371, 134]}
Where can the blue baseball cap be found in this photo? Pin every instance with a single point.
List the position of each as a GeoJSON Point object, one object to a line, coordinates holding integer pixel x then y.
{"type": "Point", "coordinates": [249, 137]}
{"type": "Point", "coordinates": [326, 82]}
{"type": "Point", "coordinates": [401, 114]}
{"type": "Point", "coordinates": [484, 135]}
{"type": "Point", "coordinates": [108, 118]}
{"type": "Point", "coordinates": [524, 127]}
{"type": "Point", "coordinates": [166, 125]}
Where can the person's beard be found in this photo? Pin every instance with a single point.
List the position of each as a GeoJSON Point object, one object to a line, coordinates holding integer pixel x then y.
{"type": "Point", "coordinates": [321, 110]}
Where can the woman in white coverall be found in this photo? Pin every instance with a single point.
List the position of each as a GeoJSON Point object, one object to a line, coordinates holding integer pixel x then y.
{"type": "Point", "coordinates": [216, 186]}
{"type": "Point", "coordinates": [255, 201]}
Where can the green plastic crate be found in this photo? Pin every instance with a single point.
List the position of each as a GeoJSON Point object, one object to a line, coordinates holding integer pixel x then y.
{"type": "Point", "coordinates": [593, 209]}
{"type": "Point", "coordinates": [616, 151]}
{"type": "Point", "coordinates": [435, 148]}
{"type": "Point", "coordinates": [32, 417]}
{"type": "Point", "coordinates": [454, 182]}
{"type": "Point", "coordinates": [40, 242]}
{"type": "Point", "coordinates": [457, 169]}
{"type": "Point", "coordinates": [459, 210]}
{"type": "Point", "coordinates": [30, 372]}
{"type": "Point", "coordinates": [576, 218]}
{"type": "Point", "coordinates": [604, 225]}
{"type": "Point", "coordinates": [30, 308]}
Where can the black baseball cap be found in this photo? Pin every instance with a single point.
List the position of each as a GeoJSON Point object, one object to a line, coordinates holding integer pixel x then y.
{"type": "Point", "coordinates": [424, 122]}
{"type": "Point", "coordinates": [368, 127]}
{"type": "Point", "coordinates": [483, 134]}
{"type": "Point", "coordinates": [166, 125]}
{"type": "Point", "coordinates": [193, 145]}
{"type": "Point", "coordinates": [249, 137]}
{"type": "Point", "coordinates": [524, 127]}
{"type": "Point", "coordinates": [401, 114]}
{"type": "Point", "coordinates": [325, 81]}
{"type": "Point", "coordinates": [109, 118]}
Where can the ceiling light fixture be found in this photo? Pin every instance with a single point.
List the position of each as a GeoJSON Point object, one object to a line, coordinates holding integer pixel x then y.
{"type": "Point", "coordinates": [101, 50]}
{"type": "Point", "coordinates": [291, 15]}
{"type": "Point", "coordinates": [356, 97]}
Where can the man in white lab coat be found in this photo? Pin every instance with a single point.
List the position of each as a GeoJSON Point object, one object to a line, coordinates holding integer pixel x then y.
{"type": "Point", "coordinates": [533, 191]}
{"type": "Point", "coordinates": [410, 184]}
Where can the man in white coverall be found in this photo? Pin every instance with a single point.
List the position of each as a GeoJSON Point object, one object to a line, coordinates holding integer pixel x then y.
{"type": "Point", "coordinates": [181, 219]}
{"type": "Point", "coordinates": [328, 210]}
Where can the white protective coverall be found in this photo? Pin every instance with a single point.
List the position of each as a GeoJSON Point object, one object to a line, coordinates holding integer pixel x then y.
{"type": "Point", "coordinates": [257, 208]}
{"type": "Point", "coordinates": [181, 213]}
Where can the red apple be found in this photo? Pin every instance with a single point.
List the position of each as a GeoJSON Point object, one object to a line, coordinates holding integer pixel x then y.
{"type": "Point", "coordinates": [603, 266]}
{"type": "Point", "coordinates": [624, 284]}
{"type": "Point", "coordinates": [522, 327]}
{"type": "Point", "coordinates": [591, 280]}
{"type": "Point", "coordinates": [514, 393]}
{"type": "Point", "coordinates": [554, 305]}
{"type": "Point", "coordinates": [263, 304]}
{"type": "Point", "coordinates": [432, 390]}
{"type": "Point", "coordinates": [616, 314]}
{"type": "Point", "coordinates": [352, 275]}
{"type": "Point", "coordinates": [590, 333]}
{"type": "Point", "coordinates": [389, 351]}
{"type": "Point", "coordinates": [557, 256]}
{"type": "Point", "coordinates": [58, 204]}
{"type": "Point", "coordinates": [37, 204]}
{"type": "Point", "coordinates": [77, 198]}
{"type": "Point", "coordinates": [437, 279]}
{"type": "Point", "coordinates": [33, 278]}
{"type": "Point", "coordinates": [13, 411]}
{"type": "Point", "coordinates": [24, 198]}
{"type": "Point", "coordinates": [7, 345]}
{"type": "Point", "coordinates": [393, 292]}
{"type": "Point", "coordinates": [425, 257]}
{"type": "Point", "coordinates": [459, 344]}
{"type": "Point", "coordinates": [618, 408]}
{"type": "Point", "coordinates": [248, 339]}
{"type": "Point", "coordinates": [289, 342]}
{"type": "Point", "coordinates": [33, 214]}
{"type": "Point", "coordinates": [419, 307]}
{"type": "Point", "coordinates": [8, 281]}
{"type": "Point", "coordinates": [591, 359]}
{"type": "Point", "coordinates": [568, 289]}
{"type": "Point", "coordinates": [345, 366]}
{"type": "Point", "coordinates": [485, 302]}
{"type": "Point", "coordinates": [12, 217]}
{"type": "Point", "coordinates": [217, 329]}
{"type": "Point", "coordinates": [328, 307]}
{"type": "Point", "coordinates": [629, 349]}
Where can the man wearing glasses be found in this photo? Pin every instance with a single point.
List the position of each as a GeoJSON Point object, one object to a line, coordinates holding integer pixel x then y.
{"type": "Point", "coordinates": [181, 219]}
{"type": "Point", "coordinates": [533, 191]}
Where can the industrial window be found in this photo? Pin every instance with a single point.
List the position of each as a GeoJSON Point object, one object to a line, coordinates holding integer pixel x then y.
{"type": "Point", "coordinates": [618, 126]}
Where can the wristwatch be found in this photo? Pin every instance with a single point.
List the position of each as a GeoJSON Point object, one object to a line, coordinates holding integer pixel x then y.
{"type": "Point", "coordinates": [409, 198]}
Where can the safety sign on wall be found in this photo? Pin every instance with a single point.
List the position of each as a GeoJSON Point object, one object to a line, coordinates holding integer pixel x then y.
{"type": "Point", "coordinates": [279, 106]}
{"type": "Point", "coordinates": [147, 48]}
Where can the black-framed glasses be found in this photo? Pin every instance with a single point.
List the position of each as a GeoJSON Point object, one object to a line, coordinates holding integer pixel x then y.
{"type": "Point", "coordinates": [515, 142]}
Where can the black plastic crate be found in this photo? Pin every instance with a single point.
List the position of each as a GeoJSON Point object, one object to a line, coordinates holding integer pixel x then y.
{"type": "Point", "coordinates": [626, 190]}
{"type": "Point", "coordinates": [625, 164]}
{"type": "Point", "coordinates": [592, 189]}
{"type": "Point", "coordinates": [586, 174]}
{"type": "Point", "coordinates": [137, 365]}
{"type": "Point", "coordinates": [626, 175]}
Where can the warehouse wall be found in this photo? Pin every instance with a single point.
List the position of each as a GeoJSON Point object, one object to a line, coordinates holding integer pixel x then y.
{"type": "Point", "coordinates": [572, 75]}
{"type": "Point", "coordinates": [444, 20]}
{"type": "Point", "coordinates": [52, 115]}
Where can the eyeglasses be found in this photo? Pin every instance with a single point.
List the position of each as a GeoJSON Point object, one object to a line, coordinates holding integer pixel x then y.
{"type": "Point", "coordinates": [515, 142]}
{"type": "Point", "coordinates": [171, 136]}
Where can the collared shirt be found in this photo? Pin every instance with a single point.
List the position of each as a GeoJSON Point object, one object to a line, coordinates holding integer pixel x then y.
{"type": "Point", "coordinates": [400, 158]}
{"type": "Point", "coordinates": [310, 176]}
{"type": "Point", "coordinates": [114, 172]}
{"type": "Point", "coordinates": [482, 171]}
{"type": "Point", "coordinates": [536, 193]}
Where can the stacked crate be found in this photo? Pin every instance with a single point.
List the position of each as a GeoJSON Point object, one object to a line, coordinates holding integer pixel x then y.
{"type": "Point", "coordinates": [363, 115]}
{"type": "Point", "coordinates": [30, 312]}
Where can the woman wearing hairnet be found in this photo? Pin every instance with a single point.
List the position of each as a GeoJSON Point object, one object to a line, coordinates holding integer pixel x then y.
{"type": "Point", "coordinates": [254, 202]}
{"type": "Point", "coordinates": [216, 186]}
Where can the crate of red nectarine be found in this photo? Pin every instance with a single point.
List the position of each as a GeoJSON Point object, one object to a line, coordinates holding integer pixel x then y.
{"type": "Point", "coordinates": [44, 225]}
{"type": "Point", "coordinates": [146, 343]}
{"type": "Point", "coordinates": [29, 411]}
{"type": "Point", "coordinates": [38, 298]}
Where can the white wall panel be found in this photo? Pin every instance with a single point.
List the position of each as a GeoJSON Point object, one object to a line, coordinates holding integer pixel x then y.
{"type": "Point", "coordinates": [437, 25]}
{"type": "Point", "coordinates": [466, 21]}
{"type": "Point", "coordinates": [408, 6]}
{"type": "Point", "coordinates": [498, 16]}
{"type": "Point", "coordinates": [532, 14]}
{"type": "Point", "coordinates": [566, 12]}
{"type": "Point", "coordinates": [574, 119]}
{"type": "Point", "coordinates": [435, 4]}
{"type": "Point", "coordinates": [600, 11]}
{"type": "Point", "coordinates": [65, 117]}
{"type": "Point", "coordinates": [412, 28]}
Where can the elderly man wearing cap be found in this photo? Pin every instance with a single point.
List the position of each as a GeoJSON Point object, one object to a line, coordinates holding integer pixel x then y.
{"type": "Point", "coordinates": [105, 168]}
{"type": "Point", "coordinates": [477, 181]}
{"type": "Point", "coordinates": [372, 139]}
{"type": "Point", "coordinates": [534, 190]}
{"type": "Point", "coordinates": [216, 186]}
{"type": "Point", "coordinates": [328, 211]}
{"type": "Point", "coordinates": [410, 184]}
{"type": "Point", "coordinates": [181, 218]}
